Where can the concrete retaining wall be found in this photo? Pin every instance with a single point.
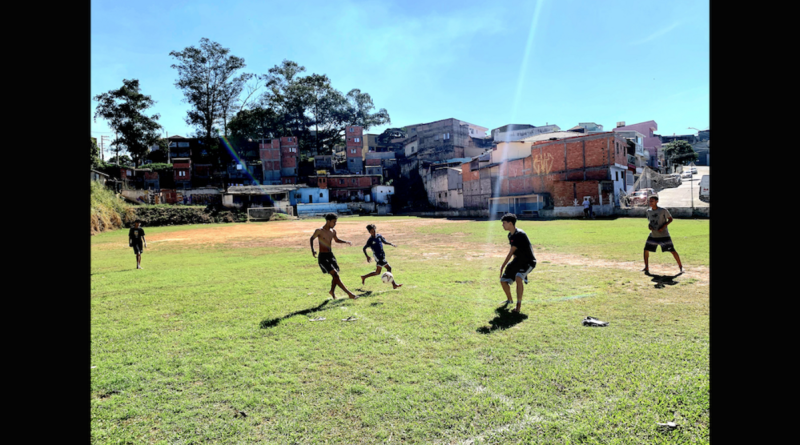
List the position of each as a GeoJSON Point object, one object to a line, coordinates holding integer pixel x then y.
{"type": "Point", "coordinates": [676, 212]}
{"type": "Point", "coordinates": [452, 213]}
{"type": "Point", "coordinates": [308, 210]}
{"type": "Point", "coordinates": [570, 212]}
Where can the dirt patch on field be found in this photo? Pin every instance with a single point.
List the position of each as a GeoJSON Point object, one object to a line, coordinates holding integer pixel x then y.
{"type": "Point", "coordinates": [700, 273]}
{"type": "Point", "coordinates": [696, 272]}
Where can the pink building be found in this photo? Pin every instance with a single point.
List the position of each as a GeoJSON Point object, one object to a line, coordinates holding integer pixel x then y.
{"type": "Point", "coordinates": [651, 143]}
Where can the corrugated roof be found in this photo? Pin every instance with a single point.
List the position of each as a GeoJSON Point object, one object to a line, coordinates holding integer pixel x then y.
{"type": "Point", "coordinates": [263, 189]}
{"type": "Point", "coordinates": [555, 134]}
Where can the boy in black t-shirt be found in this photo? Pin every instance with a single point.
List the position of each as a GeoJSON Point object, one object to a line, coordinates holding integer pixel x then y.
{"type": "Point", "coordinates": [524, 262]}
{"type": "Point", "coordinates": [137, 241]}
{"type": "Point", "coordinates": [376, 242]}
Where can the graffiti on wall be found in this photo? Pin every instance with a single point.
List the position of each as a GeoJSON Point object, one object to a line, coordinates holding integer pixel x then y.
{"type": "Point", "coordinates": [542, 163]}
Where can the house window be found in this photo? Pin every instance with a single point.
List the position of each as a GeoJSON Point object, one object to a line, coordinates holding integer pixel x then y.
{"type": "Point", "coordinates": [320, 195]}
{"type": "Point", "coordinates": [354, 180]}
{"type": "Point", "coordinates": [341, 181]}
{"type": "Point", "coordinates": [356, 139]}
{"type": "Point", "coordinates": [352, 129]}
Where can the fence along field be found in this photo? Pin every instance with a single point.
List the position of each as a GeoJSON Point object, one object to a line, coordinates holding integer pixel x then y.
{"type": "Point", "coordinates": [211, 341]}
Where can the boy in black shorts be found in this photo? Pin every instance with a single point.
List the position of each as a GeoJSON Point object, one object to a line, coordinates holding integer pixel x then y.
{"type": "Point", "coordinates": [658, 219]}
{"type": "Point", "coordinates": [137, 241]}
{"type": "Point", "coordinates": [327, 262]}
{"type": "Point", "coordinates": [524, 262]}
{"type": "Point", "coordinates": [376, 242]}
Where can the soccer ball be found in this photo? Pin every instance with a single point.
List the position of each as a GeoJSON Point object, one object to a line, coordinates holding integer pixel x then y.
{"type": "Point", "coordinates": [387, 277]}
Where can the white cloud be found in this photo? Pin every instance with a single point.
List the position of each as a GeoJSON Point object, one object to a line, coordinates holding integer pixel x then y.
{"type": "Point", "coordinates": [658, 33]}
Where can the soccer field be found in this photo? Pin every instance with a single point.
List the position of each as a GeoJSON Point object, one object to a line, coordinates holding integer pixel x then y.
{"type": "Point", "coordinates": [211, 342]}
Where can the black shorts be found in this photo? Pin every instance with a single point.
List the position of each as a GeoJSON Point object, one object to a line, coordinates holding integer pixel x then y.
{"type": "Point", "coordinates": [518, 268]}
{"type": "Point", "coordinates": [652, 244]}
{"type": "Point", "coordinates": [137, 248]}
{"type": "Point", "coordinates": [380, 261]}
{"type": "Point", "coordinates": [327, 262]}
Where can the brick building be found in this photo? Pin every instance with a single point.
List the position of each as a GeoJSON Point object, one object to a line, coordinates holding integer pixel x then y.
{"type": "Point", "coordinates": [289, 146]}
{"type": "Point", "coordinates": [270, 154]}
{"type": "Point", "coordinates": [344, 188]}
{"type": "Point", "coordinates": [354, 149]}
{"type": "Point", "coordinates": [150, 180]}
{"type": "Point", "coordinates": [556, 172]}
{"type": "Point", "coordinates": [182, 172]}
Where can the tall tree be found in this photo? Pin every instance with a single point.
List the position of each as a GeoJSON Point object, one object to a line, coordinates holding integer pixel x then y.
{"type": "Point", "coordinates": [279, 95]}
{"type": "Point", "coordinates": [230, 98]}
{"type": "Point", "coordinates": [206, 75]}
{"type": "Point", "coordinates": [679, 152]}
{"type": "Point", "coordinates": [326, 109]}
{"type": "Point", "coordinates": [359, 111]}
{"type": "Point", "coordinates": [310, 102]}
{"type": "Point", "coordinates": [124, 110]}
{"type": "Point", "coordinates": [256, 123]}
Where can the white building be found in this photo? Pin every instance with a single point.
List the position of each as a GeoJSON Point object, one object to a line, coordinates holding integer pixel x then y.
{"type": "Point", "coordinates": [518, 132]}
{"type": "Point", "coordinates": [380, 193]}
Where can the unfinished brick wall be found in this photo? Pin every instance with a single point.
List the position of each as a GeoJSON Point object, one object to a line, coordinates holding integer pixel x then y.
{"type": "Point", "coordinates": [553, 167]}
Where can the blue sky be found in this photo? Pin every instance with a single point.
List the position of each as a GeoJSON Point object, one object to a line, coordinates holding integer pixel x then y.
{"type": "Point", "coordinates": [487, 63]}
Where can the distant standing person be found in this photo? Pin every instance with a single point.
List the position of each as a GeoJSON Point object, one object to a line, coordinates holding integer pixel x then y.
{"type": "Point", "coordinates": [524, 261]}
{"type": "Point", "coordinates": [376, 242]}
{"type": "Point", "coordinates": [658, 219]}
{"type": "Point", "coordinates": [326, 260]}
{"type": "Point", "coordinates": [586, 206]}
{"type": "Point", "coordinates": [137, 241]}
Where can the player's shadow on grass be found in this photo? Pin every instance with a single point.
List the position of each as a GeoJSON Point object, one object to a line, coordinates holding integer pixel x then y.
{"type": "Point", "coordinates": [272, 322]}
{"type": "Point", "coordinates": [664, 280]}
{"type": "Point", "coordinates": [505, 319]}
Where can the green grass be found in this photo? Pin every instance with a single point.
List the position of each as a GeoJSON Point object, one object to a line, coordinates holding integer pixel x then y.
{"type": "Point", "coordinates": [205, 331]}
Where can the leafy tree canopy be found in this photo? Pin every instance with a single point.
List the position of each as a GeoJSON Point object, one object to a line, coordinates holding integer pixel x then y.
{"type": "Point", "coordinates": [124, 109]}
{"type": "Point", "coordinates": [679, 152]}
{"type": "Point", "coordinates": [207, 77]}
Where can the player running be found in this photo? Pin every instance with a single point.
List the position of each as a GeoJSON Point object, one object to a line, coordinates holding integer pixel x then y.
{"type": "Point", "coordinates": [376, 242]}
{"type": "Point", "coordinates": [137, 241]}
{"type": "Point", "coordinates": [524, 262]}
{"type": "Point", "coordinates": [326, 260]}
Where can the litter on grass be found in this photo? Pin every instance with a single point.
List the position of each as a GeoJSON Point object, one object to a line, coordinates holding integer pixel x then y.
{"type": "Point", "coordinates": [593, 322]}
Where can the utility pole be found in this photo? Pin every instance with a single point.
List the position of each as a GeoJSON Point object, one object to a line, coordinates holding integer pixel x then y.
{"type": "Point", "coordinates": [102, 148]}
{"type": "Point", "coordinates": [116, 138]}
{"type": "Point", "coordinates": [691, 185]}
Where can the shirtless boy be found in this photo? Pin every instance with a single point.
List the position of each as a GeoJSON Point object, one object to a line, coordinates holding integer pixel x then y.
{"type": "Point", "coordinates": [326, 260]}
{"type": "Point", "coordinates": [376, 242]}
